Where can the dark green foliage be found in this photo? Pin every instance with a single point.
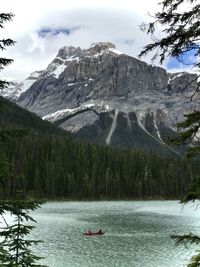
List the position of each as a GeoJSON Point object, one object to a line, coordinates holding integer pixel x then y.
{"type": "Point", "coordinates": [7, 133]}
{"type": "Point", "coordinates": [50, 166]}
{"type": "Point", "coordinates": [189, 133]}
{"type": "Point", "coordinates": [14, 246]}
{"type": "Point", "coordinates": [4, 43]}
{"type": "Point", "coordinates": [13, 116]}
{"type": "Point", "coordinates": [181, 30]}
{"type": "Point", "coordinates": [188, 240]}
{"type": "Point", "coordinates": [182, 33]}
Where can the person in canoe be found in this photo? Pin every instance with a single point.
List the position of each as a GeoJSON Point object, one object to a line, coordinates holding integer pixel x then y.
{"type": "Point", "coordinates": [89, 233]}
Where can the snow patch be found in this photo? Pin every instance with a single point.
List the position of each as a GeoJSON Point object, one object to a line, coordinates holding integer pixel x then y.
{"type": "Point", "coordinates": [26, 85]}
{"type": "Point", "coordinates": [59, 69]}
{"type": "Point", "coordinates": [169, 80]}
{"type": "Point", "coordinates": [140, 117]}
{"type": "Point", "coordinates": [104, 107]}
{"type": "Point", "coordinates": [58, 113]}
{"type": "Point", "coordinates": [72, 58]}
{"type": "Point", "coordinates": [113, 126]}
{"type": "Point", "coordinates": [16, 89]}
{"type": "Point", "coordinates": [128, 120]}
{"type": "Point", "coordinates": [157, 130]}
{"type": "Point", "coordinates": [90, 105]}
{"type": "Point", "coordinates": [197, 135]}
{"type": "Point", "coordinates": [101, 104]}
{"type": "Point", "coordinates": [115, 51]}
{"type": "Point", "coordinates": [176, 76]}
{"type": "Point", "coordinates": [107, 108]}
{"type": "Point", "coordinates": [61, 59]}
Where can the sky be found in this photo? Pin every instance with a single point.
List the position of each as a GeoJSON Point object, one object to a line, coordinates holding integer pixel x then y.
{"type": "Point", "coordinates": [41, 28]}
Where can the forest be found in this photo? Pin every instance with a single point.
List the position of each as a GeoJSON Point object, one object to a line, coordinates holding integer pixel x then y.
{"type": "Point", "coordinates": [48, 166]}
{"type": "Point", "coordinates": [48, 163]}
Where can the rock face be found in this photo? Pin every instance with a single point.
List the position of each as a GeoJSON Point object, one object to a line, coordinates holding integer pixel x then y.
{"type": "Point", "coordinates": [105, 96]}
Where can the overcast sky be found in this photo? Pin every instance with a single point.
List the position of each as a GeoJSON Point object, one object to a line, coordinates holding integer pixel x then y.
{"type": "Point", "coordinates": [42, 27]}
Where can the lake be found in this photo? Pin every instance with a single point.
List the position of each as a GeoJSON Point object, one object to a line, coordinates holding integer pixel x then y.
{"type": "Point", "coordinates": [137, 233]}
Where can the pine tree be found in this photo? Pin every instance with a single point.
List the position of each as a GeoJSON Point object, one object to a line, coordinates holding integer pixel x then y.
{"type": "Point", "coordinates": [4, 43]}
{"type": "Point", "coordinates": [181, 35]}
{"type": "Point", "coordinates": [14, 245]}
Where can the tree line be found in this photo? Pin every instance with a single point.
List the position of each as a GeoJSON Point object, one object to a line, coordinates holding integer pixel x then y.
{"type": "Point", "coordinates": [55, 167]}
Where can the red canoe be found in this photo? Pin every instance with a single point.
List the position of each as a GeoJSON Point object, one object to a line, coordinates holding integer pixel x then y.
{"type": "Point", "coordinates": [93, 233]}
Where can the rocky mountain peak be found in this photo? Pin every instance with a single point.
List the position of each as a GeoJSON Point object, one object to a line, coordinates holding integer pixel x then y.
{"type": "Point", "coordinates": [68, 51]}
{"type": "Point", "coordinates": [101, 46]}
{"type": "Point", "coordinates": [68, 55]}
{"type": "Point", "coordinates": [108, 97]}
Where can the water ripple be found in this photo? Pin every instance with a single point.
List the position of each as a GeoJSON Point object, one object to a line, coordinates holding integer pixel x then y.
{"type": "Point", "coordinates": [137, 233]}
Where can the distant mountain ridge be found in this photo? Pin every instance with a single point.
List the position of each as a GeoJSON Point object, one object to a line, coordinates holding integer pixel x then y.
{"type": "Point", "coordinates": [12, 115]}
{"type": "Point", "coordinates": [105, 96]}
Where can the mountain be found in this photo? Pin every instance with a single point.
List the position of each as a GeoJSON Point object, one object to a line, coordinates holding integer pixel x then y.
{"type": "Point", "coordinates": [15, 116]}
{"type": "Point", "coordinates": [17, 88]}
{"type": "Point", "coordinates": [105, 96]}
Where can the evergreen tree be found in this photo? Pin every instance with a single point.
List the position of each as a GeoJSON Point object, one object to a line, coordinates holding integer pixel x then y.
{"type": "Point", "coordinates": [14, 245]}
{"type": "Point", "coordinates": [181, 35]}
{"type": "Point", "coordinates": [4, 43]}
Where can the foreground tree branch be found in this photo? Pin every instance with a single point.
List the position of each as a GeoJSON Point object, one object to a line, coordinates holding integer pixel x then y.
{"type": "Point", "coordinates": [181, 34]}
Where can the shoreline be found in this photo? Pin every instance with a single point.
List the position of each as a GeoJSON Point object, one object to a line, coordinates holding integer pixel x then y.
{"type": "Point", "coordinates": [109, 200]}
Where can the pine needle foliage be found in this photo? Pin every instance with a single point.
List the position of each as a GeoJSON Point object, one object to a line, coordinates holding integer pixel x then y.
{"type": "Point", "coordinates": [181, 34]}
{"type": "Point", "coordinates": [15, 247]}
{"type": "Point", "coordinates": [4, 43]}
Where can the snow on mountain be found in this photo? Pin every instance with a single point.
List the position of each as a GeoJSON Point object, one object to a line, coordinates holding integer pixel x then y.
{"type": "Point", "coordinates": [58, 65]}
{"type": "Point", "coordinates": [57, 70]}
{"type": "Point", "coordinates": [17, 88]}
{"type": "Point", "coordinates": [105, 96]}
{"type": "Point", "coordinates": [112, 128]}
{"type": "Point", "coordinates": [59, 114]}
{"type": "Point", "coordinates": [115, 51]}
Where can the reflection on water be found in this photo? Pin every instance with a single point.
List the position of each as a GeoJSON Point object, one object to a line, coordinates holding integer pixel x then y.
{"type": "Point", "coordinates": [137, 233]}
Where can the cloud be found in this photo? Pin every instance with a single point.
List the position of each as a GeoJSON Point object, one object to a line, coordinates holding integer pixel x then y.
{"type": "Point", "coordinates": [36, 44]}
{"type": "Point", "coordinates": [128, 41]}
{"type": "Point", "coordinates": [47, 31]}
{"type": "Point", "coordinates": [40, 31]}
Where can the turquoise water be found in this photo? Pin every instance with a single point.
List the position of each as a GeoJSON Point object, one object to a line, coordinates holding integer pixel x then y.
{"type": "Point", "coordinates": [137, 233]}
